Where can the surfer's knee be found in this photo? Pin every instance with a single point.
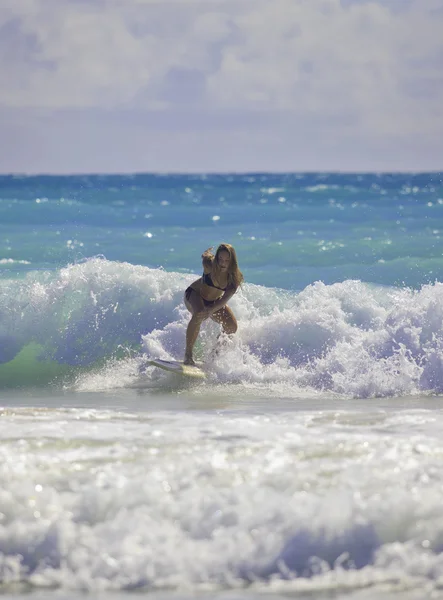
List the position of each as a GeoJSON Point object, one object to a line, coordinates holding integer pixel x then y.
{"type": "Point", "coordinates": [230, 327]}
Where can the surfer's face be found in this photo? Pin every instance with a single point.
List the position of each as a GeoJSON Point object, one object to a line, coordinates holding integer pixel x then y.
{"type": "Point", "coordinates": [224, 260]}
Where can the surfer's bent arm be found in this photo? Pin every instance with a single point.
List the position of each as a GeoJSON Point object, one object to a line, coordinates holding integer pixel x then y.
{"type": "Point", "coordinates": [221, 302]}
{"type": "Point", "coordinates": [207, 260]}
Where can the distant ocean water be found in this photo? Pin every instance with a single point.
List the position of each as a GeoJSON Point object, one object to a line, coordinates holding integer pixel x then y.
{"type": "Point", "coordinates": [307, 463]}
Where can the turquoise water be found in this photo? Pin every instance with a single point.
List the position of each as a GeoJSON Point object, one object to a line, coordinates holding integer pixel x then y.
{"type": "Point", "coordinates": [289, 230]}
{"type": "Point", "coordinates": [94, 268]}
{"type": "Point", "coordinates": [307, 463]}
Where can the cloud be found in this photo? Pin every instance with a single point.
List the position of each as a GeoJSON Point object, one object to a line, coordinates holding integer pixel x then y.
{"type": "Point", "coordinates": [322, 58]}
{"type": "Point", "coordinates": [64, 54]}
{"type": "Point", "coordinates": [314, 55]}
{"type": "Point", "coordinates": [367, 69]}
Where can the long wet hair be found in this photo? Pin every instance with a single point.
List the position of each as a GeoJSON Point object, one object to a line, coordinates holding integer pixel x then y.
{"type": "Point", "coordinates": [235, 276]}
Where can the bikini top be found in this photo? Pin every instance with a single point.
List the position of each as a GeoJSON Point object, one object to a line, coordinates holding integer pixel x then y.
{"type": "Point", "coordinates": [207, 279]}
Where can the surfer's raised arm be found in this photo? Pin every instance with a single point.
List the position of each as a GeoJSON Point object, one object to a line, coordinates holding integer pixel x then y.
{"type": "Point", "coordinates": [207, 260]}
{"type": "Point", "coordinates": [208, 296]}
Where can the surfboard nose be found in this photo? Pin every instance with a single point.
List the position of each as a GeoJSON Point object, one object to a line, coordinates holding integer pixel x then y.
{"type": "Point", "coordinates": [178, 367]}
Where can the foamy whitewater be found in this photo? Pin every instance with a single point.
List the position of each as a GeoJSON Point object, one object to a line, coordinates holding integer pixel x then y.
{"type": "Point", "coordinates": [307, 463]}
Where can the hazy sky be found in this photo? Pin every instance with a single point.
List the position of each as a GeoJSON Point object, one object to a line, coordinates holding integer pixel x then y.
{"type": "Point", "coordinates": [244, 85]}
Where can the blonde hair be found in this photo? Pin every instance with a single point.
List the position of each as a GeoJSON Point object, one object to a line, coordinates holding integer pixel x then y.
{"type": "Point", "coordinates": [235, 276]}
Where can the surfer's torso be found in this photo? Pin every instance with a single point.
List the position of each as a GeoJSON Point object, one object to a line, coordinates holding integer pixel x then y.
{"type": "Point", "coordinates": [210, 288]}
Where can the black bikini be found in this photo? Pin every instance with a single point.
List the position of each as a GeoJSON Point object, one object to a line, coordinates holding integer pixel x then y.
{"type": "Point", "coordinates": [207, 279]}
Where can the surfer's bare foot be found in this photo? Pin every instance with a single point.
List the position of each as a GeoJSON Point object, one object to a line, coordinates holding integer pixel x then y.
{"type": "Point", "coordinates": [189, 361]}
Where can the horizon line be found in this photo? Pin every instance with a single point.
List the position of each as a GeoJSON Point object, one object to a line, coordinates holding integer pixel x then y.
{"type": "Point", "coordinates": [216, 173]}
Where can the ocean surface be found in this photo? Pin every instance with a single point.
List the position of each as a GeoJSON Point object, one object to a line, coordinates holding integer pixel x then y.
{"type": "Point", "coordinates": [308, 463]}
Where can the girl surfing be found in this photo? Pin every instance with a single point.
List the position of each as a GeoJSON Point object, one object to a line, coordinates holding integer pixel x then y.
{"type": "Point", "coordinates": [208, 296]}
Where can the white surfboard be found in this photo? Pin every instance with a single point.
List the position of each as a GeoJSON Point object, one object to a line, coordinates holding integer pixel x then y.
{"type": "Point", "coordinates": [178, 367]}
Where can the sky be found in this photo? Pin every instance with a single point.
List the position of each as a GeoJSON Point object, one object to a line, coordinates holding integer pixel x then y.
{"type": "Point", "coordinates": [220, 86]}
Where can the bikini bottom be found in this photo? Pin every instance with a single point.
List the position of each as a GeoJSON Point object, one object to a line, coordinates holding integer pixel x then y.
{"type": "Point", "coordinates": [188, 292]}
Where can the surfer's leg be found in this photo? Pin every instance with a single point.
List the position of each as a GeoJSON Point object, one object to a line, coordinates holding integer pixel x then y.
{"type": "Point", "coordinates": [227, 320]}
{"type": "Point", "coordinates": [194, 303]}
{"type": "Point", "coordinates": [225, 317]}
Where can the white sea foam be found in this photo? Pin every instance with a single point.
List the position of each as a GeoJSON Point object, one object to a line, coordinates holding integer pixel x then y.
{"type": "Point", "coordinates": [12, 261]}
{"type": "Point", "coordinates": [107, 500]}
{"type": "Point", "coordinates": [348, 338]}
